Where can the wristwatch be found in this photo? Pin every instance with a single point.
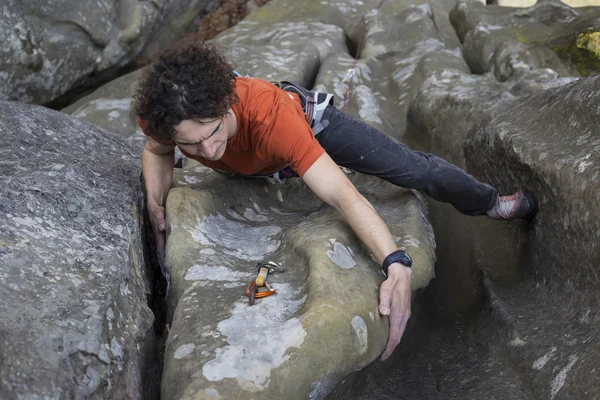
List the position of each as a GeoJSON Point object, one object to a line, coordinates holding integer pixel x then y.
{"type": "Point", "coordinates": [398, 256]}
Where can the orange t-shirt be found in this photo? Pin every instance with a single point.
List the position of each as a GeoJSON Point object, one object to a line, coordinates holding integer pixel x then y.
{"type": "Point", "coordinates": [272, 132]}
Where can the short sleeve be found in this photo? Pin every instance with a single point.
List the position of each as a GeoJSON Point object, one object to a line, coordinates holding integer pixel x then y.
{"type": "Point", "coordinates": [291, 138]}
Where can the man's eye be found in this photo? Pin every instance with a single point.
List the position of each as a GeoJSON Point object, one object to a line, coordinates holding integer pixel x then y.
{"type": "Point", "coordinates": [217, 130]}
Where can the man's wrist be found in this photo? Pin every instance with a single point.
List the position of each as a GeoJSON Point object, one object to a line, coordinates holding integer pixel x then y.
{"type": "Point", "coordinates": [398, 256]}
{"type": "Point", "coordinates": [153, 205]}
{"type": "Point", "coordinates": [398, 269]}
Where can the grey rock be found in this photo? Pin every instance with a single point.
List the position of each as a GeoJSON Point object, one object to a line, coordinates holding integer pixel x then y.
{"type": "Point", "coordinates": [443, 360]}
{"type": "Point", "coordinates": [531, 128]}
{"type": "Point", "coordinates": [550, 143]}
{"type": "Point", "coordinates": [536, 336]}
{"type": "Point", "coordinates": [75, 323]}
{"type": "Point", "coordinates": [507, 41]}
{"type": "Point", "coordinates": [109, 108]}
{"type": "Point", "coordinates": [322, 323]}
{"type": "Point", "coordinates": [51, 47]}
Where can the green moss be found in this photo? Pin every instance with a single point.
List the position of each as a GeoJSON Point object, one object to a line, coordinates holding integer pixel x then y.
{"type": "Point", "coordinates": [589, 41]}
{"type": "Point", "coordinates": [582, 50]}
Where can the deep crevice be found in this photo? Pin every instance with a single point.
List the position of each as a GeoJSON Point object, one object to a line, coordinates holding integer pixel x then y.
{"type": "Point", "coordinates": [89, 83]}
{"type": "Point", "coordinates": [351, 46]}
{"type": "Point", "coordinates": [156, 299]}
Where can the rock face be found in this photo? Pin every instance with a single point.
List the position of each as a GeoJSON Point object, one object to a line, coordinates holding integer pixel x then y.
{"type": "Point", "coordinates": [548, 35]}
{"type": "Point", "coordinates": [72, 280]}
{"type": "Point", "coordinates": [550, 141]}
{"type": "Point", "coordinates": [323, 322]}
{"type": "Point", "coordinates": [108, 107]}
{"type": "Point", "coordinates": [51, 47]}
{"type": "Point", "coordinates": [522, 123]}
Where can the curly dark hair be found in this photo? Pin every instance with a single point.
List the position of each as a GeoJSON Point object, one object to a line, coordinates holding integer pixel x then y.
{"type": "Point", "coordinates": [193, 81]}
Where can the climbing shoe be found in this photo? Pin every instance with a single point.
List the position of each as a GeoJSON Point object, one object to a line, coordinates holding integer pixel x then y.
{"type": "Point", "coordinates": [522, 204]}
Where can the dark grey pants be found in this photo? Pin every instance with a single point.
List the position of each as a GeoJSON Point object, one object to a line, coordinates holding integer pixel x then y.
{"type": "Point", "coordinates": [356, 145]}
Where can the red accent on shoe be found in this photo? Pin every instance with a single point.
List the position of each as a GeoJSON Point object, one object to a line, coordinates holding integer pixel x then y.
{"type": "Point", "coordinates": [521, 204]}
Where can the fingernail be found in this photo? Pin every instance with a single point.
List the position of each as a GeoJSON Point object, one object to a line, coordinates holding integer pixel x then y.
{"type": "Point", "coordinates": [384, 311]}
{"type": "Point", "coordinates": [161, 227]}
{"type": "Point", "coordinates": [383, 358]}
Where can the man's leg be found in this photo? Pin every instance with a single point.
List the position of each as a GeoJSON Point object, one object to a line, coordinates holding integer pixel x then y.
{"type": "Point", "coordinates": [356, 145]}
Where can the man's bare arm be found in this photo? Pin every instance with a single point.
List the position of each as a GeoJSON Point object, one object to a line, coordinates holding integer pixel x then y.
{"type": "Point", "coordinates": [328, 182]}
{"type": "Point", "coordinates": [157, 166]}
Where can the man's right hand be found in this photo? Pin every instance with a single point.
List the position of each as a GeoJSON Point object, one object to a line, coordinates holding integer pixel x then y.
{"type": "Point", "coordinates": [157, 219]}
{"type": "Point", "coordinates": [157, 165]}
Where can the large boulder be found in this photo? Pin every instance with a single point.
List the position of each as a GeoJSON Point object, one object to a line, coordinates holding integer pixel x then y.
{"type": "Point", "coordinates": [322, 323]}
{"type": "Point", "coordinates": [219, 228]}
{"type": "Point", "coordinates": [448, 104]}
{"type": "Point", "coordinates": [550, 142]}
{"type": "Point", "coordinates": [109, 108]}
{"type": "Point", "coordinates": [528, 126]}
{"type": "Point", "coordinates": [51, 47]}
{"type": "Point", "coordinates": [75, 321]}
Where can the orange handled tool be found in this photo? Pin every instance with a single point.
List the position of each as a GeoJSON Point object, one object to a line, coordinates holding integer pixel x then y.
{"type": "Point", "coordinates": [260, 287]}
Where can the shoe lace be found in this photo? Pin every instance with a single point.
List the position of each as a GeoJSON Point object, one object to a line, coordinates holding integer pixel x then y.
{"type": "Point", "coordinates": [507, 205]}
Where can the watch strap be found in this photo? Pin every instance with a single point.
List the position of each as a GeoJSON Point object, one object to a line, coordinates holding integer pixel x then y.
{"type": "Point", "coordinates": [397, 256]}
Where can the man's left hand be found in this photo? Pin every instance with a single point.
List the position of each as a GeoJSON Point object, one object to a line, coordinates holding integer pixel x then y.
{"type": "Point", "coordinates": [394, 301]}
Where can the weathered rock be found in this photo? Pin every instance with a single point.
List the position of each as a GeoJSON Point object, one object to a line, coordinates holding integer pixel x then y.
{"type": "Point", "coordinates": [390, 71]}
{"type": "Point", "coordinates": [530, 3]}
{"type": "Point", "coordinates": [321, 325]}
{"type": "Point", "coordinates": [109, 106]}
{"type": "Point", "coordinates": [444, 360]}
{"type": "Point", "coordinates": [216, 238]}
{"type": "Point", "coordinates": [75, 323]}
{"type": "Point", "coordinates": [285, 50]}
{"type": "Point", "coordinates": [507, 41]}
{"type": "Point", "coordinates": [550, 142]}
{"type": "Point", "coordinates": [52, 47]}
{"type": "Point", "coordinates": [533, 129]}
{"type": "Point", "coordinates": [447, 107]}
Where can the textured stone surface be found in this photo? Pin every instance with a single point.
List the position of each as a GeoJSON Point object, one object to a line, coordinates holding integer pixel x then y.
{"type": "Point", "coordinates": [530, 3]}
{"type": "Point", "coordinates": [74, 318]}
{"type": "Point", "coordinates": [321, 325]}
{"type": "Point", "coordinates": [528, 125]}
{"type": "Point", "coordinates": [537, 336]}
{"type": "Point", "coordinates": [448, 105]}
{"type": "Point", "coordinates": [108, 107]}
{"type": "Point", "coordinates": [51, 47]}
{"type": "Point", "coordinates": [508, 41]}
{"type": "Point", "coordinates": [292, 51]}
{"type": "Point", "coordinates": [444, 360]}
{"type": "Point", "coordinates": [550, 142]}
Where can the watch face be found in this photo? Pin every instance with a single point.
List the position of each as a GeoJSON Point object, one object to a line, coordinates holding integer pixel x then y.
{"type": "Point", "coordinates": [399, 256]}
{"type": "Point", "coordinates": [404, 258]}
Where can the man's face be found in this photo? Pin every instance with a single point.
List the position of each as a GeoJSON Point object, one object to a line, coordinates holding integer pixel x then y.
{"type": "Point", "coordinates": [206, 139]}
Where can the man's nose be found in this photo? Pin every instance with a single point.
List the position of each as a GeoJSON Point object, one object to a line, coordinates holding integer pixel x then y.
{"type": "Point", "coordinates": [208, 150]}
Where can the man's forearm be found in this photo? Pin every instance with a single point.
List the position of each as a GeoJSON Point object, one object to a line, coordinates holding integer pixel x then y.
{"type": "Point", "coordinates": [158, 175]}
{"type": "Point", "coordinates": [368, 226]}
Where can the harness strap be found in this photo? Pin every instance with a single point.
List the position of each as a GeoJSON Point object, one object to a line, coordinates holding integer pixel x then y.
{"type": "Point", "coordinates": [318, 109]}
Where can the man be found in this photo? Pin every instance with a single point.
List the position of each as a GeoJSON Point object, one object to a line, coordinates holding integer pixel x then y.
{"type": "Point", "coordinates": [192, 99]}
